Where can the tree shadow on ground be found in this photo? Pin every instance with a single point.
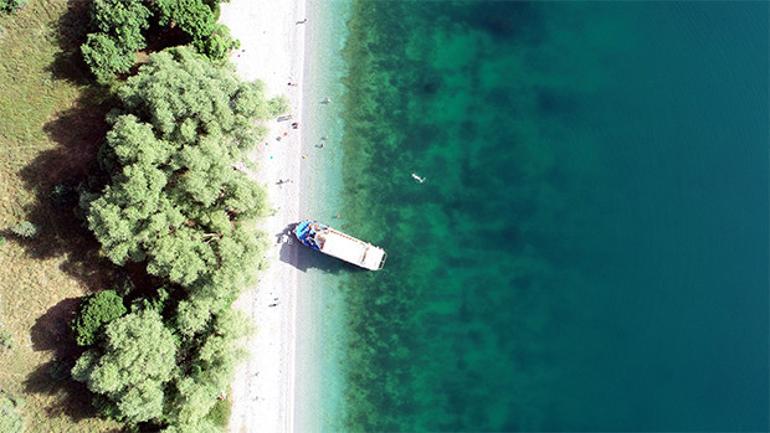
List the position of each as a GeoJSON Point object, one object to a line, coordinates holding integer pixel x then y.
{"type": "Point", "coordinates": [78, 133]}
{"type": "Point", "coordinates": [51, 333]}
{"type": "Point", "coordinates": [71, 30]}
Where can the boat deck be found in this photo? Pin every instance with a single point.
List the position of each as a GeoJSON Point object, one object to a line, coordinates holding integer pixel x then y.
{"type": "Point", "coordinates": [350, 249]}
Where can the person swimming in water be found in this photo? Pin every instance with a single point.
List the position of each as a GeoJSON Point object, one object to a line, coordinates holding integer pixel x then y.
{"type": "Point", "coordinates": [418, 178]}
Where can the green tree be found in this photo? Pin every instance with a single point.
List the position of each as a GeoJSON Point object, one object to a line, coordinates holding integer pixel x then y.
{"type": "Point", "coordinates": [133, 367]}
{"type": "Point", "coordinates": [123, 20]}
{"type": "Point", "coordinates": [96, 311]}
{"type": "Point", "coordinates": [176, 203]}
{"type": "Point", "coordinates": [105, 58]}
{"type": "Point", "coordinates": [212, 363]}
{"type": "Point", "coordinates": [119, 25]}
{"type": "Point", "coordinates": [176, 200]}
{"type": "Point", "coordinates": [198, 19]}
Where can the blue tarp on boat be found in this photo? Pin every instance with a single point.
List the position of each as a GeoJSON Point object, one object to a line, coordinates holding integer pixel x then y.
{"type": "Point", "coordinates": [306, 231]}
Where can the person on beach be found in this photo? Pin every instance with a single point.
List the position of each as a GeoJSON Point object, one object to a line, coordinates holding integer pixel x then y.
{"type": "Point", "coordinates": [295, 125]}
{"type": "Point", "coordinates": [302, 22]}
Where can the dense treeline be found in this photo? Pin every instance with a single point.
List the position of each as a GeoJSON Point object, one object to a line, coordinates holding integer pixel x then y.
{"type": "Point", "coordinates": [176, 205]}
{"type": "Point", "coordinates": [120, 27]}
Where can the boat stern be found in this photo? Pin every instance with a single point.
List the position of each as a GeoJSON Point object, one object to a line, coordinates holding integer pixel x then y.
{"type": "Point", "coordinates": [374, 259]}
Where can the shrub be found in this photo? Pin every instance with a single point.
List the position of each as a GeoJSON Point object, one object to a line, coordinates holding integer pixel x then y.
{"type": "Point", "coordinates": [11, 5]}
{"type": "Point", "coordinates": [217, 44]}
{"type": "Point", "coordinates": [95, 312]}
{"type": "Point", "coordinates": [119, 26]}
{"type": "Point", "coordinates": [10, 418]}
{"type": "Point", "coordinates": [105, 58]}
{"type": "Point", "coordinates": [123, 21]}
{"type": "Point", "coordinates": [25, 229]}
{"type": "Point", "coordinates": [132, 367]}
{"type": "Point", "coordinates": [6, 339]}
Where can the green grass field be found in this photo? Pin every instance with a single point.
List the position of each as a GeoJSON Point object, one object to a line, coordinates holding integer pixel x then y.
{"type": "Point", "coordinates": [51, 123]}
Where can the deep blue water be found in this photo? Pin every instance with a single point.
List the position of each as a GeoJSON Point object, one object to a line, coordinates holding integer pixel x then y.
{"type": "Point", "coordinates": [590, 249]}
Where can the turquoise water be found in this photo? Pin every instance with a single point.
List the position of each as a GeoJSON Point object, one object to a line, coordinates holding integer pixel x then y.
{"type": "Point", "coordinates": [590, 249]}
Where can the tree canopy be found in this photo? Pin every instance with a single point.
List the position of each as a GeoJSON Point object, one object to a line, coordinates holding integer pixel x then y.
{"type": "Point", "coordinates": [96, 311]}
{"type": "Point", "coordinates": [120, 26]}
{"type": "Point", "coordinates": [176, 203]}
{"type": "Point", "coordinates": [175, 199]}
{"type": "Point", "coordinates": [131, 370]}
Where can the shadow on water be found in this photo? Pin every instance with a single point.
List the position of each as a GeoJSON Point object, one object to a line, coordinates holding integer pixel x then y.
{"type": "Point", "coordinates": [303, 258]}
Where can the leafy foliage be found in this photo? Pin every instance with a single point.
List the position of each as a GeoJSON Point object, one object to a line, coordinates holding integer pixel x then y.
{"type": "Point", "coordinates": [96, 311]}
{"type": "Point", "coordinates": [11, 5]}
{"type": "Point", "coordinates": [212, 363]}
{"type": "Point", "coordinates": [176, 203]}
{"type": "Point", "coordinates": [220, 413]}
{"type": "Point", "coordinates": [120, 25]}
{"type": "Point", "coordinates": [138, 359]}
{"type": "Point", "coordinates": [10, 419]}
{"type": "Point", "coordinates": [111, 49]}
{"type": "Point", "coordinates": [122, 20]}
{"type": "Point", "coordinates": [175, 200]}
{"type": "Point", "coordinates": [25, 229]}
{"type": "Point", "coordinates": [105, 58]}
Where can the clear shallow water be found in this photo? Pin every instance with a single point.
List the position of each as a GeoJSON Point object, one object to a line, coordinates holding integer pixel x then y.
{"type": "Point", "coordinates": [590, 250]}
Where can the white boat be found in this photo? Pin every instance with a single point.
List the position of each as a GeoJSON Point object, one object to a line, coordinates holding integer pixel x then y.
{"type": "Point", "coordinates": [327, 240]}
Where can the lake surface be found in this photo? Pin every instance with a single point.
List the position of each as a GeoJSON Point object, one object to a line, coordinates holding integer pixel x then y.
{"type": "Point", "coordinates": [589, 251]}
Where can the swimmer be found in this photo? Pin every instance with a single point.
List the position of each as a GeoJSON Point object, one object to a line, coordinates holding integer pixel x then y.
{"type": "Point", "coordinates": [418, 178]}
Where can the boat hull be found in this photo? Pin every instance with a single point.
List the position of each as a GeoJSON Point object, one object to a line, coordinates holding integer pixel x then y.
{"type": "Point", "coordinates": [321, 237]}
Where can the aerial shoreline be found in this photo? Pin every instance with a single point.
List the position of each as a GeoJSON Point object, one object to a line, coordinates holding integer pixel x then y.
{"type": "Point", "coordinates": [272, 37]}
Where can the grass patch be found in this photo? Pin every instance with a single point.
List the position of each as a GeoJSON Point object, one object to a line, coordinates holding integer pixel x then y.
{"type": "Point", "coordinates": [51, 123]}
